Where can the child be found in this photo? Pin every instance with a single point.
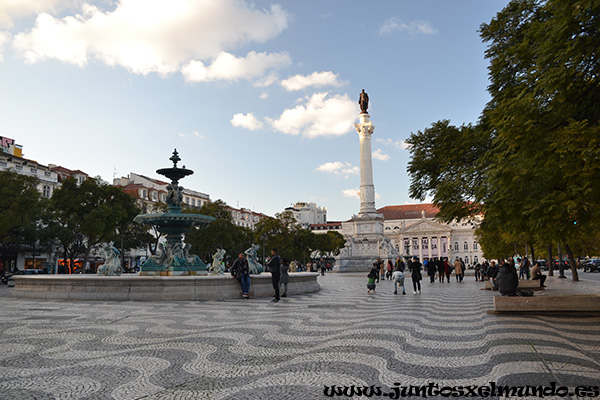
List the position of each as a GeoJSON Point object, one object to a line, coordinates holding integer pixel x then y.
{"type": "Point", "coordinates": [398, 278]}
{"type": "Point", "coordinates": [374, 274]}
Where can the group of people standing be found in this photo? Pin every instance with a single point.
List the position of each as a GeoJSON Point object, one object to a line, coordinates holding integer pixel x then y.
{"type": "Point", "coordinates": [279, 274]}
{"type": "Point", "coordinates": [436, 267]}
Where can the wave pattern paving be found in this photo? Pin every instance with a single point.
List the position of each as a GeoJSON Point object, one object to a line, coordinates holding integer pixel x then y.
{"type": "Point", "coordinates": [255, 349]}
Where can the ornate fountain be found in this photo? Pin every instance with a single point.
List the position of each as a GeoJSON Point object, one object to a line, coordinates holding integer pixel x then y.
{"type": "Point", "coordinates": [173, 258]}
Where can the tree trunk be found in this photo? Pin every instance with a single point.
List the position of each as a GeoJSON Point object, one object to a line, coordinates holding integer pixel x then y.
{"type": "Point", "coordinates": [532, 254]}
{"type": "Point", "coordinates": [561, 267]}
{"type": "Point", "coordinates": [550, 264]}
{"type": "Point", "coordinates": [88, 250]}
{"type": "Point", "coordinates": [572, 262]}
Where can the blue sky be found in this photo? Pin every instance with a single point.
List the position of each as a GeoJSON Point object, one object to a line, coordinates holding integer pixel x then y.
{"type": "Point", "coordinates": [259, 98]}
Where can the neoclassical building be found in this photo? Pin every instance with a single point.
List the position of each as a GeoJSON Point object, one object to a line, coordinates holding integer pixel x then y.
{"type": "Point", "coordinates": [414, 231]}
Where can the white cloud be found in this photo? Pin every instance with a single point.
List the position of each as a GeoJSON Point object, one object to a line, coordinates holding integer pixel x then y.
{"type": "Point", "coordinates": [15, 9]}
{"type": "Point", "coordinates": [228, 67]}
{"type": "Point", "coordinates": [147, 36]}
{"type": "Point", "coordinates": [379, 155]}
{"type": "Point", "coordinates": [394, 24]}
{"type": "Point", "coordinates": [316, 79]}
{"type": "Point", "coordinates": [247, 121]}
{"type": "Point", "coordinates": [352, 193]}
{"type": "Point", "coordinates": [339, 168]}
{"type": "Point", "coordinates": [264, 96]}
{"type": "Point", "coordinates": [319, 116]}
{"type": "Point", "coordinates": [194, 134]}
{"type": "Point", "coordinates": [266, 80]}
{"type": "Point", "coordinates": [398, 144]}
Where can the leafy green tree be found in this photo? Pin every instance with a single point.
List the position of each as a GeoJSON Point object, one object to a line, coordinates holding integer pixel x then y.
{"type": "Point", "coordinates": [329, 244]}
{"type": "Point", "coordinates": [531, 163]}
{"type": "Point", "coordinates": [219, 234]}
{"type": "Point", "coordinates": [544, 72]}
{"type": "Point", "coordinates": [293, 241]}
{"type": "Point", "coordinates": [447, 164]}
{"type": "Point", "coordinates": [21, 208]}
{"type": "Point", "coordinates": [88, 214]}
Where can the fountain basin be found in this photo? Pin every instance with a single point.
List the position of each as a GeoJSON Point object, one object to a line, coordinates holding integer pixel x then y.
{"type": "Point", "coordinates": [130, 287]}
{"type": "Point", "coordinates": [179, 222]}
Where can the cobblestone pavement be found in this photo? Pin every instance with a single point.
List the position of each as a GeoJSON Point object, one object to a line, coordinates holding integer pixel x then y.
{"type": "Point", "coordinates": [255, 349]}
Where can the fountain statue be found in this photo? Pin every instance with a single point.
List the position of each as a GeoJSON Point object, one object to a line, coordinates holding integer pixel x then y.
{"type": "Point", "coordinates": [112, 262]}
{"type": "Point", "coordinates": [216, 268]}
{"type": "Point", "coordinates": [173, 258]}
{"type": "Point", "coordinates": [252, 257]}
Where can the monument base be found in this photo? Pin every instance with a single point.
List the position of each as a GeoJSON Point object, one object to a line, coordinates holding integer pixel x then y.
{"type": "Point", "coordinates": [365, 242]}
{"type": "Point", "coordinates": [355, 264]}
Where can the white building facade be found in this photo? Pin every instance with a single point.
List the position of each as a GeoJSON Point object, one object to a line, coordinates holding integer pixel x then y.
{"type": "Point", "coordinates": [308, 213]}
{"type": "Point", "coordinates": [151, 191]}
{"type": "Point", "coordinates": [245, 218]}
{"type": "Point", "coordinates": [414, 231]}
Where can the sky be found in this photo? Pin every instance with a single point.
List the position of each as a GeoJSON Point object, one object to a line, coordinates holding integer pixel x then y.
{"type": "Point", "coordinates": [259, 98]}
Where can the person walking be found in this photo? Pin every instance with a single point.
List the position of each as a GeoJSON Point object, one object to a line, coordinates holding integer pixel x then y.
{"type": "Point", "coordinates": [458, 270]}
{"type": "Point", "coordinates": [439, 264]}
{"type": "Point", "coordinates": [431, 269]}
{"type": "Point", "coordinates": [241, 271]}
{"type": "Point", "coordinates": [285, 277]}
{"type": "Point", "coordinates": [274, 265]}
{"type": "Point", "coordinates": [447, 269]}
{"type": "Point", "coordinates": [377, 266]}
{"type": "Point", "coordinates": [381, 269]}
{"type": "Point", "coordinates": [373, 274]}
{"type": "Point", "coordinates": [390, 269]}
{"type": "Point", "coordinates": [415, 274]}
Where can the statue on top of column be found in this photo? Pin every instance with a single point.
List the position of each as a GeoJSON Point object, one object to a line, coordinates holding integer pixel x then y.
{"type": "Point", "coordinates": [363, 101]}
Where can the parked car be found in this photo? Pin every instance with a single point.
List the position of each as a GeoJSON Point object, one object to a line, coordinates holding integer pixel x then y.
{"type": "Point", "coordinates": [592, 265]}
{"type": "Point", "coordinates": [565, 263]}
{"type": "Point", "coordinates": [543, 264]}
{"type": "Point", "coordinates": [8, 278]}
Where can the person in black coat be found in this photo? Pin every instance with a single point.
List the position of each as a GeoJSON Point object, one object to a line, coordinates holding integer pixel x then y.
{"type": "Point", "coordinates": [439, 263]}
{"type": "Point", "coordinates": [508, 280]}
{"type": "Point", "coordinates": [400, 265]}
{"type": "Point", "coordinates": [241, 271]}
{"type": "Point", "coordinates": [431, 269]}
{"type": "Point", "coordinates": [415, 274]}
{"type": "Point", "coordinates": [274, 265]}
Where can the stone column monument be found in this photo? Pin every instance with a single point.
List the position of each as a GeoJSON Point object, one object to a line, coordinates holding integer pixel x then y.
{"type": "Point", "coordinates": [364, 232]}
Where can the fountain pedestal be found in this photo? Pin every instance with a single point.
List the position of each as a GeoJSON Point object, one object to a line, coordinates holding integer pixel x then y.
{"type": "Point", "coordinates": [173, 257]}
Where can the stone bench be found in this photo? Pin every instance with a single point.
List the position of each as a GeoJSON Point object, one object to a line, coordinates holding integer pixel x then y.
{"type": "Point", "coordinates": [547, 304]}
{"type": "Point", "coordinates": [523, 284]}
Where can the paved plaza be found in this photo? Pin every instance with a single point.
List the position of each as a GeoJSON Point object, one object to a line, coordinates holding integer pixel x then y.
{"type": "Point", "coordinates": [255, 349]}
